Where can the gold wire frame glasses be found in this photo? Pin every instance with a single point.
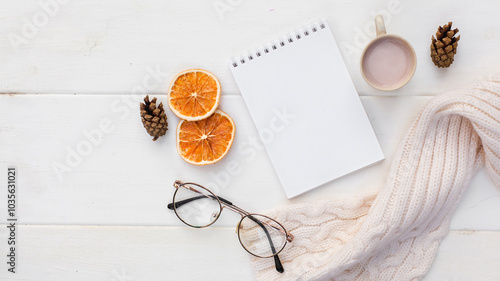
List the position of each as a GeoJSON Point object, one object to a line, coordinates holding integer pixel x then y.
{"type": "Point", "coordinates": [259, 235]}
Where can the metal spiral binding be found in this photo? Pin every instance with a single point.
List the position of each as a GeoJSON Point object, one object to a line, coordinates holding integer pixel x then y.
{"type": "Point", "coordinates": [281, 43]}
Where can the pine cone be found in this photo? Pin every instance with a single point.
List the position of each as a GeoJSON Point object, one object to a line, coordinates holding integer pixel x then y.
{"type": "Point", "coordinates": [444, 46]}
{"type": "Point", "coordinates": [154, 118]}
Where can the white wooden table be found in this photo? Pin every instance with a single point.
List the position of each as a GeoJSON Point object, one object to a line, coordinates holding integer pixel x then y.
{"type": "Point", "coordinates": [97, 210]}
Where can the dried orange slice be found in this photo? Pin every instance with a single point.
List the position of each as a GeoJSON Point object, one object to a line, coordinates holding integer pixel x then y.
{"type": "Point", "coordinates": [206, 141]}
{"type": "Point", "coordinates": [194, 94]}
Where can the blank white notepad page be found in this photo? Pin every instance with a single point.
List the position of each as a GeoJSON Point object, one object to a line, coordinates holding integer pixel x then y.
{"type": "Point", "coordinates": [306, 109]}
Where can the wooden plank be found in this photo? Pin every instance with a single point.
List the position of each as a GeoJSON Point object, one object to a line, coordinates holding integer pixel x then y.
{"type": "Point", "coordinates": [467, 255]}
{"type": "Point", "coordinates": [124, 253]}
{"type": "Point", "coordinates": [102, 48]}
{"type": "Point", "coordinates": [118, 176]}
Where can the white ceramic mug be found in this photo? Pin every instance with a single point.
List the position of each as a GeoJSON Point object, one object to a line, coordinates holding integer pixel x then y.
{"type": "Point", "coordinates": [389, 61]}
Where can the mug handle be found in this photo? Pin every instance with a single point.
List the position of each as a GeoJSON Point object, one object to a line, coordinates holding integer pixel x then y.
{"type": "Point", "coordinates": [379, 25]}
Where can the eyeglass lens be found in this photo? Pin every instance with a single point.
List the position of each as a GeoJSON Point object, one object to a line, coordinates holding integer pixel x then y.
{"type": "Point", "coordinates": [261, 236]}
{"type": "Point", "coordinates": [196, 206]}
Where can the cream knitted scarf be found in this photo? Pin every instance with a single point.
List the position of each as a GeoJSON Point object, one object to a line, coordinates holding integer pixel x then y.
{"type": "Point", "coordinates": [395, 235]}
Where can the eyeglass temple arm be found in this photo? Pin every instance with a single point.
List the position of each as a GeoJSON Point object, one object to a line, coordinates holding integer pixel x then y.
{"type": "Point", "coordinates": [185, 201]}
{"type": "Point", "coordinates": [277, 261]}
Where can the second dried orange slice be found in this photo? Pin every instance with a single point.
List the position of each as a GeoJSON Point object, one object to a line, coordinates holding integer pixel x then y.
{"type": "Point", "coordinates": [206, 141]}
{"type": "Point", "coordinates": [194, 94]}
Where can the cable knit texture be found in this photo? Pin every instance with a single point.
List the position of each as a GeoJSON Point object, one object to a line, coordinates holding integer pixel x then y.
{"type": "Point", "coordinates": [395, 235]}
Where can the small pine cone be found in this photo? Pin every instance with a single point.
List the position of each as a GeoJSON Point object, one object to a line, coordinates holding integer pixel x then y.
{"type": "Point", "coordinates": [154, 118]}
{"type": "Point", "coordinates": [444, 46]}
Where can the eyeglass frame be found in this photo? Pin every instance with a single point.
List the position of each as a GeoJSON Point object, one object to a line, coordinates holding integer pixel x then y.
{"type": "Point", "coordinates": [223, 203]}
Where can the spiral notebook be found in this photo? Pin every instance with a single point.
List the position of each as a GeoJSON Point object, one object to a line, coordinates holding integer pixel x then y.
{"type": "Point", "coordinates": [306, 109]}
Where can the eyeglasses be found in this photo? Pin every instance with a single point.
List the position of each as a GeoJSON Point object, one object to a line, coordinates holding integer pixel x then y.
{"type": "Point", "coordinates": [259, 235]}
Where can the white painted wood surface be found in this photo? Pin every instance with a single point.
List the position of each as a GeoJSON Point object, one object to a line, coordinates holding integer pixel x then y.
{"type": "Point", "coordinates": [126, 253]}
{"type": "Point", "coordinates": [86, 69]}
{"type": "Point", "coordinates": [104, 46]}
